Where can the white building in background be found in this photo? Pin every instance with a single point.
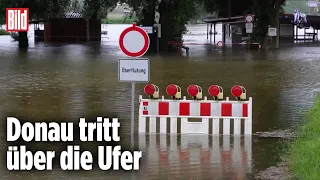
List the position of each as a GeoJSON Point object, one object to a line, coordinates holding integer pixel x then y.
{"type": "Point", "coordinates": [313, 6]}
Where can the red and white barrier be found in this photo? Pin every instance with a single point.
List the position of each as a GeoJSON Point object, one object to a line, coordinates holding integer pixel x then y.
{"type": "Point", "coordinates": [203, 109]}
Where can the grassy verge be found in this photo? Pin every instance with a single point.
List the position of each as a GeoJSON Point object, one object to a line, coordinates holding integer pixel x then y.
{"type": "Point", "coordinates": [117, 21]}
{"type": "Point", "coordinates": [4, 32]}
{"type": "Point", "coordinates": [304, 152]}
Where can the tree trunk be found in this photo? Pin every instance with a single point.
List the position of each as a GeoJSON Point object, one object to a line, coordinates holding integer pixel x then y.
{"type": "Point", "coordinates": [23, 40]}
{"type": "Point", "coordinates": [148, 15]}
{"type": "Point", "coordinates": [168, 32]}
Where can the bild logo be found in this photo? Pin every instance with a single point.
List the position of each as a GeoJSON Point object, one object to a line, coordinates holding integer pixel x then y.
{"type": "Point", "coordinates": [17, 19]}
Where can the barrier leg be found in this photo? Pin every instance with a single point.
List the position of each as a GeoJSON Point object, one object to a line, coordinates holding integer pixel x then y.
{"type": "Point", "coordinates": [226, 126]}
{"type": "Point", "coordinates": [173, 125]}
{"type": "Point", "coordinates": [215, 126]}
{"type": "Point", "coordinates": [237, 126]}
{"type": "Point", "coordinates": [205, 125]}
{"type": "Point", "coordinates": [142, 124]}
{"type": "Point", "coordinates": [163, 125]}
{"type": "Point", "coordinates": [248, 122]}
{"type": "Point", "coordinates": [152, 125]}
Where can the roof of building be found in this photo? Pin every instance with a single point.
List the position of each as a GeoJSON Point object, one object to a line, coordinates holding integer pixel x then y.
{"type": "Point", "coordinates": [215, 20]}
{"type": "Point", "coordinates": [63, 15]}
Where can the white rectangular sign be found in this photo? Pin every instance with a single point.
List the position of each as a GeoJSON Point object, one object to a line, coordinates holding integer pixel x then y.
{"type": "Point", "coordinates": [272, 32]}
{"type": "Point", "coordinates": [248, 31]}
{"type": "Point", "coordinates": [148, 29]}
{"type": "Point", "coordinates": [134, 70]}
{"type": "Point", "coordinates": [249, 25]}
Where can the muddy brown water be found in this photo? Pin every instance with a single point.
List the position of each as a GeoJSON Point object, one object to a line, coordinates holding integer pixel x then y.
{"type": "Point", "coordinates": [65, 82]}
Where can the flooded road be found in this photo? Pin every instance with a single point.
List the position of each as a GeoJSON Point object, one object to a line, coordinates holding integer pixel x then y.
{"type": "Point", "coordinates": [66, 82]}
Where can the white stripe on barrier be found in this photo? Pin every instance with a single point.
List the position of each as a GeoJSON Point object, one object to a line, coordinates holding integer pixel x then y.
{"type": "Point", "coordinates": [215, 109]}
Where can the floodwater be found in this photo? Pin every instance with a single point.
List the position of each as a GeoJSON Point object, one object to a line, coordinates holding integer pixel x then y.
{"type": "Point", "coordinates": [66, 82]}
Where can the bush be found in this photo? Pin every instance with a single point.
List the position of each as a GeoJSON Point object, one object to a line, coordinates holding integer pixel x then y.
{"type": "Point", "coordinates": [4, 32]}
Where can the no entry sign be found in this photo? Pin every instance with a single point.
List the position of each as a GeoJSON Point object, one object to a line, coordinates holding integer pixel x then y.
{"type": "Point", "coordinates": [249, 18]}
{"type": "Point", "coordinates": [134, 41]}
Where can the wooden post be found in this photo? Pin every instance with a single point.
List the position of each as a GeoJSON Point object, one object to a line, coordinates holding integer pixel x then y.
{"type": "Point", "coordinates": [210, 32]}
{"type": "Point", "coordinates": [207, 31]}
{"type": "Point", "coordinates": [229, 8]}
{"type": "Point", "coordinates": [214, 31]}
{"type": "Point", "coordinates": [314, 34]}
{"type": "Point", "coordinates": [88, 30]}
{"type": "Point", "coordinates": [277, 22]}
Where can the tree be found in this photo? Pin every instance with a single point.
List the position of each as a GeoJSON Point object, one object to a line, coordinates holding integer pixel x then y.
{"type": "Point", "coordinates": [38, 9]}
{"type": "Point", "coordinates": [174, 15]}
{"type": "Point", "coordinates": [97, 9]}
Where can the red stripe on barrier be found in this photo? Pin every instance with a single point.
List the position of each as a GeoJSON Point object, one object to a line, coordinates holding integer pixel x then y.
{"type": "Point", "coordinates": [163, 108]}
{"type": "Point", "coordinates": [184, 109]}
{"type": "Point", "coordinates": [145, 103]}
{"type": "Point", "coordinates": [205, 109]}
{"type": "Point", "coordinates": [226, 109]}
{"type": "Point", "coordinates": [244, 110]}
{"type": "Point", "coordinates": [145, 112]}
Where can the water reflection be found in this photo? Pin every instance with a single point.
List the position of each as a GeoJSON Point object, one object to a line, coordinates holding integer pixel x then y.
{"type": "Point", "coordinates": [196, 156]}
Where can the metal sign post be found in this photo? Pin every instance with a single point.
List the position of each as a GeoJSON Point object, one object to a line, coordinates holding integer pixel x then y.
{"type": "Point", "coordinates": [134, 42]}
{"type": "Point", "coordinates": [132, 109]}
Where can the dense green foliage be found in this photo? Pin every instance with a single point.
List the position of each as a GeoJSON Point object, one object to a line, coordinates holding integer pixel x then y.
{"type": "Point", "coordinates": [97, 9]}
{"type": "Point", "coordinates": [4, 32]}
{"type": "Point", "coordinates": [291, 5]}
{"type": "Point", "coordinates": [304, 151]}
{"type": "Point", "coordinates": [174, 14]}
{"type": "Point", "coordinates": [38, 9]}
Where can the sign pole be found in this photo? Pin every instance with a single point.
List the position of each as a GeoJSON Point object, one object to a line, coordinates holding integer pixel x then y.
{"type": "Point", "coordinates": [132, 111]}
{"type": "Point", "coordinates": [134, 69]}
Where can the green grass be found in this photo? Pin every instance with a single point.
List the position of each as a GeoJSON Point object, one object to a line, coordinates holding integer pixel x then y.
{"type": "Point", "coordinates": [291, 5]}
{"type": "Point", "coordinates": [304, 152]}
{"type": "Point", "coordinates": [4, 32]}
{"type": "Point", "coordinates": [117, 21]}
{"type": "Point", "coordinates": [117, 18]}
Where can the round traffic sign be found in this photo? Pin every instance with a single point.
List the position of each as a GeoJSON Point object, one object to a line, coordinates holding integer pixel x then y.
{"type": "Point", "coordinates": [134, 41]}
{"type": "Point", "coordinates": [220, 43]}
{"type": "Point", "coordinates": [249, 18]}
